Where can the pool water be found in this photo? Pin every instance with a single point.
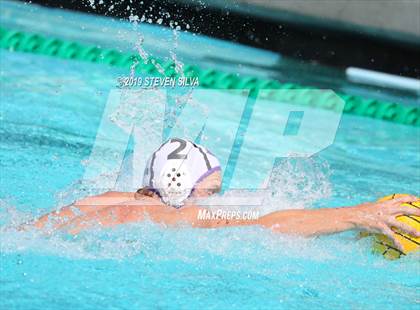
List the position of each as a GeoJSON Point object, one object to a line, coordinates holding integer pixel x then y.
{"type": "Point", "coordinates": [50, 114]}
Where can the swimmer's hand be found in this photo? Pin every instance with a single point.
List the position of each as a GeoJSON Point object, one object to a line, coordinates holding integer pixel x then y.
{"type": "Point", "coordinates": [380, 217]}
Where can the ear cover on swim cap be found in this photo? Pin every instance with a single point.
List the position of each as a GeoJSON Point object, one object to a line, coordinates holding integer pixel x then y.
{"type": "Point", "coordinates": [174, 184]}
{"type": "Point", "coordinates": [176, 167]}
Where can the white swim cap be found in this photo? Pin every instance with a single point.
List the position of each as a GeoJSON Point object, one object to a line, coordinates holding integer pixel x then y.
{"type": "Point", "coordinates": [176, 167]}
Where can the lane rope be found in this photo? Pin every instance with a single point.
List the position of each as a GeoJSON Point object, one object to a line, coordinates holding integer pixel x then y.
{"type": "Point", "coordinates": [14, 40]}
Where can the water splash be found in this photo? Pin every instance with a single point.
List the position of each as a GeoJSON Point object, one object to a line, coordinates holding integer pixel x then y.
{"type": "Point", "coordinates": [297, 183]}
{"type": "Point", "coordinates": [294, 184]}
{"type": "Point", "coordinates": [179, 66]}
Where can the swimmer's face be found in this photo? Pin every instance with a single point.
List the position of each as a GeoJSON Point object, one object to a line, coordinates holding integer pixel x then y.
{"type": "Point", "coordinates": [208, 186]}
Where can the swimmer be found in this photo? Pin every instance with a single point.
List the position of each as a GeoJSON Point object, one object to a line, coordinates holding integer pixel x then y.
{"type": "Point", "coordinates": [180, 171]}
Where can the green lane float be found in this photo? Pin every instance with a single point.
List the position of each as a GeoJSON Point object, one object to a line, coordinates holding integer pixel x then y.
{"type": "Point", "coordinates": [13, 40]}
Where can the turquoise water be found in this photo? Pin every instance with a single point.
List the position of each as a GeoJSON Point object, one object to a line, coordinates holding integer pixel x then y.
{"type": "Point", "coordinates": [50, 114]}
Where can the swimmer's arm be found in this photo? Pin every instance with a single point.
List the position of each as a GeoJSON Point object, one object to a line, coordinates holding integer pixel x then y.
{"type": "Point", "coordinates": [80, 207]}
{"type": "Point", "coordinates": [310, 222]}
{"type": "Point", "coordinates": [108, 198]}
{"type": "Point", "coordinates": [299, 222]}
{"type": "Point", "coordinates": [124, 213]}
{"type": "Point", "coordinates": [106, 217]}
{"type": "Point", "coordinates": [374, 217]}
{"type": "Point", "coordinates": [378, 217]}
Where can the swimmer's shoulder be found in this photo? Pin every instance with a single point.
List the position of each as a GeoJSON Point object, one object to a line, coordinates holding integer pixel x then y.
{"type": "Point", "coordinates": [118, 194]}
{"type": "Point", "coordinates": [110, 197]}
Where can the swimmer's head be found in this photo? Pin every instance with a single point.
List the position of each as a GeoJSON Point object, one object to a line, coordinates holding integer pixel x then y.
{"type": "Point", "coordinates": [210, 185]}
{"type": "Point", "coordinates": [180, 168]}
